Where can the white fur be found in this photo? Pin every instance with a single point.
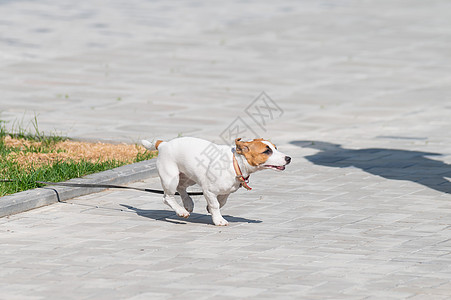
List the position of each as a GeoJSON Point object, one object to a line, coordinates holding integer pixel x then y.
{"type": "Point", "coordinates": [185, 161]}
{"type": "Point", "coordinates": [148, 145]}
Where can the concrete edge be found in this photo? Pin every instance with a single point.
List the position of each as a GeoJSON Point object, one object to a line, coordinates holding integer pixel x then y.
{"type": "Point", "coordinates": [23, 201]}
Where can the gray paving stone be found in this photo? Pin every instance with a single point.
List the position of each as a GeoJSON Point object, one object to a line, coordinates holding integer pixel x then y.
{"type": "Point", "coordinates": [362, 213]}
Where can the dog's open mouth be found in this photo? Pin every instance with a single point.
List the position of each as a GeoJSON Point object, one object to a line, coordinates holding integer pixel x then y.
{"type": "Point", "coordinates": [279, 168]}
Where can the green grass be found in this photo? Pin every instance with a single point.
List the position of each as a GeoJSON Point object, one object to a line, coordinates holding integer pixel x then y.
{"type": "Point", "coordinates": [24, 177]}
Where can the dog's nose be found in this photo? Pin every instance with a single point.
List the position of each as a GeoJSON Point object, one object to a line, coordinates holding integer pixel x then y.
{"type": "Point", "coordinates": [287, 159]}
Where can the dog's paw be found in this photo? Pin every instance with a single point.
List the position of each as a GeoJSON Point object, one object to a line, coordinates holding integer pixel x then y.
{"type": "Point", "coordinates": [189, 205]}
{"type": "Point", "coordinates": [183, 214]}
{"type": "Point", "coordinates": [220, 222]}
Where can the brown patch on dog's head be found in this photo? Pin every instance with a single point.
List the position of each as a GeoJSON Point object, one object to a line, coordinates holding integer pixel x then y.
{"type": "Point", "coordinates": [256, 152]}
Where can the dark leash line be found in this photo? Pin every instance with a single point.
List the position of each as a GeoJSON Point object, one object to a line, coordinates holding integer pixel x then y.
{"type": "Point", "coordinates": [105, 186]}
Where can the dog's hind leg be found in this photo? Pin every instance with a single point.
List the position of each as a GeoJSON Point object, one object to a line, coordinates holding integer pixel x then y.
{"type": "Point", "coordinates": [185, 182]}
{"type": "Point", "coordinates": [169, 176]}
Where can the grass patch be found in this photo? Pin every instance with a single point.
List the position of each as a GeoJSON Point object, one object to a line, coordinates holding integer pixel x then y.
{"type": "Point", "coordinates": [26, 158]}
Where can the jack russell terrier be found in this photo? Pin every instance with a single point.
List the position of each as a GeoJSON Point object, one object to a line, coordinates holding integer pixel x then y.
{"type": "Point", "coordinates": [218, 169]}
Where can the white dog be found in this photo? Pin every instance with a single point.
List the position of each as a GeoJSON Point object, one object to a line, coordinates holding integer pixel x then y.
{"type": "Point", "coordinates": [218, 169]}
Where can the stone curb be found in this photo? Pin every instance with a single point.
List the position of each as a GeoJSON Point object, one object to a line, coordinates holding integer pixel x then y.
{"type": "Point", "coordinates": [23, 201]}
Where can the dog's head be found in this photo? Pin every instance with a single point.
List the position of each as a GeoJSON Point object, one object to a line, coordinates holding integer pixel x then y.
{"type": "Point", "coordinates": [262, 154]}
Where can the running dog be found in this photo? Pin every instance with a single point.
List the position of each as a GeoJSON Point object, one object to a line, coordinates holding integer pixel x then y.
{"type": "Point", "coordinates": [218, 169]}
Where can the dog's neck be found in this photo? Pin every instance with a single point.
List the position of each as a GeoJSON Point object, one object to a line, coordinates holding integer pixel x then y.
{"type": "Point", "coordinates": [245, 167]}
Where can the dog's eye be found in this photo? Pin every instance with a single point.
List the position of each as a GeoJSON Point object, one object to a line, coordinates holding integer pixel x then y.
{"type": "Point", "coordinates": [268, 151]}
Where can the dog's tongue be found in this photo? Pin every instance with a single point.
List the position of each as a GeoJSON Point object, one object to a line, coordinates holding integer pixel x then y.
{"type": "Point", "coordinates": [280, 168]}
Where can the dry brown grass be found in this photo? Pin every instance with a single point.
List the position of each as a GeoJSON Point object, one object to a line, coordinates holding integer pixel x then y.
{"type": "Point", "coordinates": [69, 150]}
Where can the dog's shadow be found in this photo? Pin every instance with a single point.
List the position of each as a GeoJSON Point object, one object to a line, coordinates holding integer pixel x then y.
{"type": "Point", "coordinates": [171, 217]}
{"type": "Point", "coordinates": [393, 164]}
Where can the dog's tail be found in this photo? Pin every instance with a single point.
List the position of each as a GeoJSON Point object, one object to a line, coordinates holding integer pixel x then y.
{"type": "Point", "coordinates": [151, 146]}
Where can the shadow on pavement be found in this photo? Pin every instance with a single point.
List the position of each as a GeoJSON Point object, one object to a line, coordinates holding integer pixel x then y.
{"type": "Point", "coordinates": [388, 163]}
{"type": "Point", "coordinates": [171, 217]}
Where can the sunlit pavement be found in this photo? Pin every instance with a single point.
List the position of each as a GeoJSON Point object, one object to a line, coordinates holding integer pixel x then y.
{"type": "Point", "coordinates": [358, 94]}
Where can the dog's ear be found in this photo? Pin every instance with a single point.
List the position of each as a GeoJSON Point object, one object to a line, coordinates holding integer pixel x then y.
{"type": "Point", "coordinates": [241, 147]}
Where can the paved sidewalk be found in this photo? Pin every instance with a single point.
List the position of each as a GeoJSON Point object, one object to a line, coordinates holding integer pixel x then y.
{"type": "Point", "coordinates": [361, 95]}
{"type": "Point", "coordinates": [310, 232]}
{"type": "Point", "coordinates": [125, 70]}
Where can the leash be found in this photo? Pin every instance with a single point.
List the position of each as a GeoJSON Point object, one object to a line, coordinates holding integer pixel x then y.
{"type": "Point", "coordinates": [105, 186]}
{"type": "Point", "coordinates": [239, 175]}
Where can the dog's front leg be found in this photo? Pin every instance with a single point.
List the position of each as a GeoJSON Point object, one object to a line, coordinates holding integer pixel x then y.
{"type": "Point", "coordinates": [222, 200]}
{"type": "Point", "coordinates": [213, 208]}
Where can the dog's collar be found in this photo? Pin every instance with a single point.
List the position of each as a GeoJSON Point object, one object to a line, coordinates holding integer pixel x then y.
{"type": "Point", "coordinates": [239, 174]}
